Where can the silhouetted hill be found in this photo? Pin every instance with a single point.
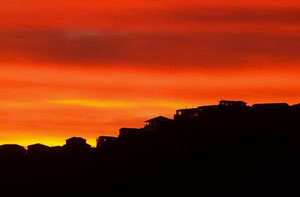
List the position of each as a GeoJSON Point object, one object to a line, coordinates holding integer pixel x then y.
{"type": "Point", "coordinates": [229, 149]}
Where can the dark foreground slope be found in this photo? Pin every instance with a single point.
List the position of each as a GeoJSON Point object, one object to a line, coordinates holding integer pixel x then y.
{"type": "Point", "coordinates": [235, 154]}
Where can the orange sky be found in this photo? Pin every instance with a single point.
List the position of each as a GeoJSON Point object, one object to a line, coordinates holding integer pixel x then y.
{"type": "Point", "coordinates": [87, 68]}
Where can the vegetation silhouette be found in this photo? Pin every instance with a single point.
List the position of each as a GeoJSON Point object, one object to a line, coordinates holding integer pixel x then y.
{"type": "Point", "coordinates": [230, 149]}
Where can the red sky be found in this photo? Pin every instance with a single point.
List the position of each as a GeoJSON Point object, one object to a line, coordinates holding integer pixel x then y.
{"type": "Point", "coordinates": [87, 68]}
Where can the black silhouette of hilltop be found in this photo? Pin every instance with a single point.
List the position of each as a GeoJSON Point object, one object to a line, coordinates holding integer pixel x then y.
{"type": "Point", "coordinates": [230, 149]}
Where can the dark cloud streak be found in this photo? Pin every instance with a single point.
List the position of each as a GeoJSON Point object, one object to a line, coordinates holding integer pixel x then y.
{"type": "Point", "coordinates": [210, 48]}
{"type": "Point", "coordinates": [174, 49]}
{"type": "Point", "coordinates": [235, 15]}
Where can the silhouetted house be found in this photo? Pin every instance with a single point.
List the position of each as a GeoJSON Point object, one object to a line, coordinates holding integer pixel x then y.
{"type": "Point", "coordinates": [38, 150]}
{"type": "Point", "coordinates": [270, 107]}
{"type": "Point", "coordinates": [296, 107]}
{"type": "Point", "coordinates": [125, 133]}
{"type": "Point", "coordinates": [106, 142]}
{"type": "Point", "coordinates": [208, 108]}
{"type": "Point", "coordinates": [186, 114]}
{"type": "Point", "coordinates": [12, 151]}
{"type": "Point", "coordinates": [56, 148]}
{"type": "Point", "coordinates": [56, 151]}
{"type": "Point", "coordinates": [208, 111]}
{"type": "Point", "coordinates": [76, 144]}
{"type": "Point", "coordinates": [232, 104]}
{"type": "Point", "coordinates": [195, 113]}
{"type": "Point", "coordinates": [159, 122]}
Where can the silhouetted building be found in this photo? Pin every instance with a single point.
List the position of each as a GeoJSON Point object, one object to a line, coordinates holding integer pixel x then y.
{"type": "Point", "coordinates": [266, 107]}
{"type": "Point", "coordinates": [106, 142]}
{"type": "Point", "coordinates": [186, 113]}
{"type": "Point", "coordinates": [56, 148]}
{"type": "Point", "coordinates": [157, 123]}
{"type": "Point", "coordinates": [296, 107]}
{"type": "Point", "coordinates": [76, 144]}
{"type": "Point", "coordinates": [125, 133]}
{"type": "Point", "coordinates": [208, 108]}
{"type": "Point", "coordinates": [203, 111]}
{"type": "Point", "coordinates": [38, 150]}
{"type": "Point", "coordinates": [232, 104]}
{"type": "Point", "coordinates": [57, 151]}
{"type": "Point", "coordinates": [208, 111]}
{"type": "Point", "coordinates": [12, 151]}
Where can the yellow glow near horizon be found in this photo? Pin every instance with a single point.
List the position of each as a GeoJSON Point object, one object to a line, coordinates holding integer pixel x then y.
{"type": "Point", "coordinates": [118, 104]}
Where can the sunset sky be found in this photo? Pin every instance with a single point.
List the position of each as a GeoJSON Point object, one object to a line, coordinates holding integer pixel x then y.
{"type": "Point", "coordinates": [87, 68]}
